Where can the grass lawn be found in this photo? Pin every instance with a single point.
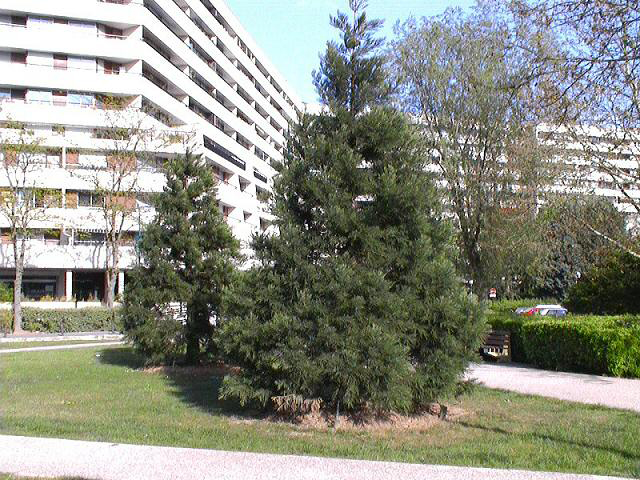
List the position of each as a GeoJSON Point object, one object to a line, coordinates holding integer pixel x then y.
{"type": "Point", "coordinates": [98, 394]}
{"type": "Point", "coordinates": [11, 345]}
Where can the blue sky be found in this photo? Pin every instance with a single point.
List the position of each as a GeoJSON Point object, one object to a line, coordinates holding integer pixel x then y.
{"type": "Point", "coordinates": [293, 32]}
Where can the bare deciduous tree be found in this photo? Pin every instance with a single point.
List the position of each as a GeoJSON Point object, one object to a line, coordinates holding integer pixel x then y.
{"type": "Point", "coordinates": [130, 141]}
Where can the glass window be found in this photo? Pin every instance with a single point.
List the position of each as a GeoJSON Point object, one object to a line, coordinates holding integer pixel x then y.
{"type": "Point", "coordinates": [60, 62]}
{"type": "Point", "coordinates": [84, 199]}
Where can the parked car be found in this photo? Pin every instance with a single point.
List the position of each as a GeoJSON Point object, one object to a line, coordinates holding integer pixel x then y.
{"type": "Point", "coordinates": [554, 312]}
{"type": "Point", "coordinates": [544, 310]}
{"type": "Point", "coordinates": [522, 310]}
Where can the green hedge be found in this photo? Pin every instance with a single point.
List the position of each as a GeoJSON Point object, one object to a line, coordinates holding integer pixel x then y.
{"type": "Point", "coordinates": [589, 344]}
{"type": "Point", "coordinates": [71, 320]}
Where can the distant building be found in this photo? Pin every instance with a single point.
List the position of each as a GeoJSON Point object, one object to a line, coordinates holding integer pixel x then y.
{"type": "Point", "coordinates": [596, 161]}
{"type": "Point", "coordinates": [187, 66]}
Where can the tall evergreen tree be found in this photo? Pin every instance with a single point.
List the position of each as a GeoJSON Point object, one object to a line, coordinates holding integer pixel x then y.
{"type": "Point", "coordinates": [355, 300]}
{"type": "Point", "coordinates": [188, 257]}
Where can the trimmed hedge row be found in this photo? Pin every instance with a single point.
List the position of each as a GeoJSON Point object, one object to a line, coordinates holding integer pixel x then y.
{"type": "Point", "coordinates": [71, 320]}
{"type": "Point", "coordinates": [589, 344]}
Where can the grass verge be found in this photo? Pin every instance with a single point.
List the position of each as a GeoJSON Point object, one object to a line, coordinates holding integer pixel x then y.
{"type": "Point", "coordinates": [99, 394]}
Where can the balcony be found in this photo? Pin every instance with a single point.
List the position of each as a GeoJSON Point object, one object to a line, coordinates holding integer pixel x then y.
{"type": "Point", "coordinates": [224, 153]}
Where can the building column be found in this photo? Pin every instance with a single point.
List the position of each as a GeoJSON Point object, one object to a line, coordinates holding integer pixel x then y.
{"type": "Point", "coordinates": [68, 285]}
{"type": "Point", "coordinates": [120, 283]}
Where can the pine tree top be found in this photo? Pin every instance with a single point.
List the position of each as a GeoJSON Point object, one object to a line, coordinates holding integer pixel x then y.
{"type": "Point", "coordinates": [351, 75]}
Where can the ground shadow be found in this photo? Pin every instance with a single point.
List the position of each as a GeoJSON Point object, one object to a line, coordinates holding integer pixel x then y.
{"type": "Point", "coordinates": [551, 438]}
{"type": "Point", "coordinates": [197, 387]}
{"type": "Point", "coordinates": [121, 357]}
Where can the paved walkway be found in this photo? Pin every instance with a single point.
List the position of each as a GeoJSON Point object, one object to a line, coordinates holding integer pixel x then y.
{"type": "Point", "coordinates": [42, 457]}
{"type": "Point", "coordinates": [576, 387]}
{"type": "Point", "coordinates": [52, 337]}
{"type": "Point", "coordinates": [59, 347]}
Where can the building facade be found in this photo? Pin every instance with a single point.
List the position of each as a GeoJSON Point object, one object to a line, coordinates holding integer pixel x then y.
{"type": "Point", "coordinates": [82, 75]}
{"type": "Point", "coordinates": [599, 162]}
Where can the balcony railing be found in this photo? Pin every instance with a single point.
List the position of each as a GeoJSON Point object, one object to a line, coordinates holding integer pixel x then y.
{"type": "Point", "coordinates": [224, 153]}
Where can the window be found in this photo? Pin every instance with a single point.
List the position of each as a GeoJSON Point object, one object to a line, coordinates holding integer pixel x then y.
{"type": "Point", "coordinates": [19, 95]}
{"type": "Point", "coordinates": [89, 199]}
{"type": "Point", "coordinates": [262, 195]}
{"type": "Point", "coordinates": [226, 211]}
{"type": "Point", "coordinates": [60, 62]}
{"type": "Point", "coordinates": [19, 57]}
{"type": "Point", "coordinates": [5, 94]}
{"type": "Point", "coordinates": [59, 97]}
{"type": "Point", "coordinates": [20, 21]}
{"type": "Point", "coordinates": [112, 32]}
{"type": "Point", "coordinates": [82, 99]}
{"type": "Point", "coordinates": [40, 96]}
{"type": "Point", "coordinates": [111, 68]}
{"type": "Point", "coordinates": [61, 21]}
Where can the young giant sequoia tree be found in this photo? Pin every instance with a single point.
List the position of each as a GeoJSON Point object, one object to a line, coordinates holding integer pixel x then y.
{"type": "Point", "coordinates": [354, 302]}
{"type": "Point", "coordinates": [189, 258]}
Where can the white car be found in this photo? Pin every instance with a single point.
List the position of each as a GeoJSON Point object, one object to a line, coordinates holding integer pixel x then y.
{"type": "Point", "coordinates": [554, 312]}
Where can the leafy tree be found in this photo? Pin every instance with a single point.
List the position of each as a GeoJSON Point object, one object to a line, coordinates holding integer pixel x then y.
{"type": "Point", "coordinates": [610, 288]}
{"type": "Point", "coordinates": [355, 302]}
{"type": "Point", "coordinates": [468, 86]}
{"type": "Point", "coordinates": [572, 249]}
{"type": "Point", "coordinates": [189, 256]}
{"type": "Point", "coordinates": [24, 202]}
{"type": "Point", "coordinates": [596, 102]}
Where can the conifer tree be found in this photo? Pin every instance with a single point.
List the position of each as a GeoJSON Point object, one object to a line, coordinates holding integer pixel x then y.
{"type": "Point", "coordinates": [354, 301]}
{"type": "Point", "coordinates": [188, 258]}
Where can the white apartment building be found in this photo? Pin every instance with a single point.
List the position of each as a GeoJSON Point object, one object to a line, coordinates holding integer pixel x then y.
{"type": "Point", "coordinates": [597, 161]}
{"type": "Point", "coordinates": [184, 67]}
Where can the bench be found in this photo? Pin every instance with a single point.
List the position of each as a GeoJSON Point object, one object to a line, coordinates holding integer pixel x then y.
{"type": "Point", "coordinates": [497, 346]}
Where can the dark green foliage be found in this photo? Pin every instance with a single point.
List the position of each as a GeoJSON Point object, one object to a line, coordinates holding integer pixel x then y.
{"type": "Point", "coordinates": [572, 245]}
{"type": "Point", "coordinates": [356, 301]}
{"type": "Point", "coordinates": [72, 320]}
{"type": "Point", "coordinates": [352, 74]}
{"type": "Point", "coordinates": [609, 289]}
{"type": "Point", "coordinates": [188, 258]}
{"type": "Point", "coordinates": [589, 344]}
{"type": "Point", "coordinates": [6, 292]}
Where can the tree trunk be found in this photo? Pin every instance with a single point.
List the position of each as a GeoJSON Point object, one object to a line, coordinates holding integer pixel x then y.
{"type": "Point", "coordinates": [193, 348]}
{"type": "Point", "coordinates": [109, 294]}
{"type": "Point", "coordinates": [112, 273]}
{"type": "Point", "coordinates": [17, 292]}
{"type": "Point", "coordinates": [192, 337]}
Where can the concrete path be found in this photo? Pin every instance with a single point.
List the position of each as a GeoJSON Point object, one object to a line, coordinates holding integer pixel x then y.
{"type": "Point", "coordinates": [59, 347]}
{"type": "Point", "coordinates": [42, 457]}
{"type": "Point", "coordinates": [612, 392]}
{"type": "Point", "coordinates": [49, 337]}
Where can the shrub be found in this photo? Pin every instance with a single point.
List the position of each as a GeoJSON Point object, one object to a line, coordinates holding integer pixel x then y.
{"type": "Point", "coordinates": [6, 292]}
{"type": "Point", "coordinates": [6, 321]}
{"type": "Point", "coordinates": [71, 320]}
{"type": "Point", "coordinates": [610, 289]}
{"type": "Point", "coordinates": [589, 344]}
{"type": "Point", "coordinates": [600, 346]}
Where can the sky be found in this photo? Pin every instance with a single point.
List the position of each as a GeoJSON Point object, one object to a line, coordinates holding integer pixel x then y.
{"type": "Point", "coordinates": [293, 32]}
